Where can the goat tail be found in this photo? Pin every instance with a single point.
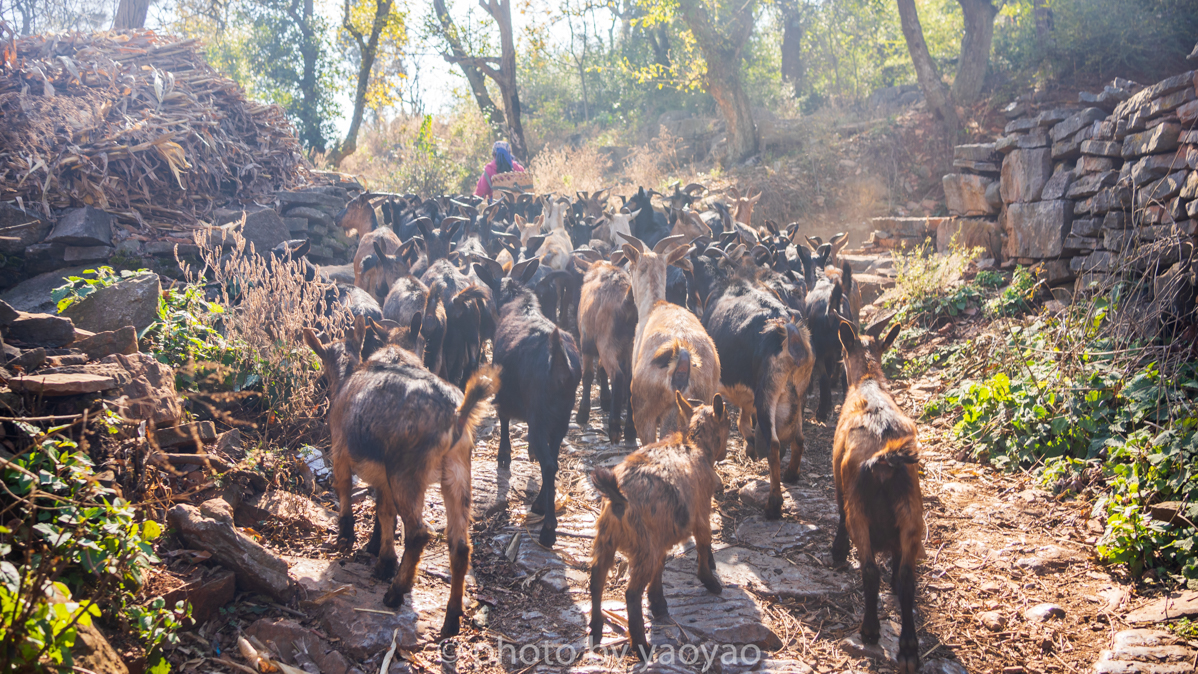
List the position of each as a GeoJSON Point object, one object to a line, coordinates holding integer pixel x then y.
{"type": "Point", "coordinates": [606, 483]}
{"type": "Point", "coordinates": [676, 359]}
{"type": "Point", "coordinates": [472, 292]}
{"type": "Point", "coordinates": [882, 467]}
{"type": "Point", "coordinates": [483, 384]}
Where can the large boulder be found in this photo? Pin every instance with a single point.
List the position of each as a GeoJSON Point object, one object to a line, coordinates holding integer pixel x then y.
{"type": "Point", "coordinates": [39, 330]}
{"type": "Point", "coordinates": [1024, 174]}
{"type": "Point", "coordinates": [19, 228]}
{"type": "Point", "coordinates": [132, 301]}
{"type": "Point", "coordinates": [85, 226]}
{"type": "Point", "coordinates": [151, 395]}
{"type": "Point", "coordinates": [1038, 230]}
{"type": "Point", "coordinates": [971, 233]}
{"type": "Point", "coordinates": [966, 194]}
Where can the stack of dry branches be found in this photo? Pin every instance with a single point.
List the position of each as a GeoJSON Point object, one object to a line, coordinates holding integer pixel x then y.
{"type": "Point", "coordinates": [137, 124]}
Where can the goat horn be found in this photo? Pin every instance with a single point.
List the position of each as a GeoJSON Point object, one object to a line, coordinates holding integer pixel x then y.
{"type": "Point", "coordinates": [664, 245]}
{"type": "Point", "coordinates": [636, 243]}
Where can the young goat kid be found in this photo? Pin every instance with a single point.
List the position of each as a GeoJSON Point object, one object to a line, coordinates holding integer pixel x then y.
{"type": "Point", "coordinates": [398, 426]}
{"type": "Point", "coordinates": [657, 498]}
{"type": "Point", "coordinates": [874, 457]}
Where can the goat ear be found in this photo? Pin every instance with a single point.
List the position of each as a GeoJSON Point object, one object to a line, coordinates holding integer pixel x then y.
{"type": "Point", "coordinates": [684, 407]}
{"type": "Point", "coordinates": [417, 321]}
{"type": "Point", "coordinates": [846, 278]}
{"type": "Point", "coordinates": [717, 406]}
{"type": "Point", "coordinates": [848, 334]}
{"type": "Point", "coordinates": [369, 262]}
{"type": "Point", "coordinates": [888, 341]}
{"type": "Point", "coordinates": [677, 254]}
{"type": "Point", "coordinates": [633, 214]}
{"type": "Point", "coordinates": [355, 337]}
{"type": "Point", "coordinates": [378, 249]}
{"type": "Point", "coordinates": [422, 224]}
{"type": "Point", "coordinates": [534, 243]}
{"type": "Point", "coordinates": [301, 250]}
{"type": "Point", "coordinates": [485, 275]}
{"type": "Point", "coordinates": [313, 343]}
{"type": "Point", "coordinates": [631, 253]}
{"type": "Point", "coordinates": [618, 258]}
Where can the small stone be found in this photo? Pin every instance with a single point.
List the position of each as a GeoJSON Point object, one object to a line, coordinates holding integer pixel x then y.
{"type": "Point", "coordinates": [40, 329]}
{"type": "Point", "coordinates": [363, 635]}
{"type": "Point", "coordinates": [107, 343]}
{"type": "Point", "coordinates": [1043, 613]}
{"type": "Point", "coordinates": [54, 385]}
{"type": "Point", "coordinates": [87, 253]}
{"type": "Point", "coordinates": [755, 493]}
{"type": "Point", "coordinates": [994, 621]}
{"type": "Point", "coordinates": [85, 226]}
{"type": "Point", "coordinates": [192, 435]}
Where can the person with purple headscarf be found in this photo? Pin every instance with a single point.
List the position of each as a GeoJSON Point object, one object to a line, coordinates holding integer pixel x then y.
{"type": "Point", "coordinates": [502, 162]}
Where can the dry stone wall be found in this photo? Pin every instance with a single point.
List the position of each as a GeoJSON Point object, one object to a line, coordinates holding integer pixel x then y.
{"type": "Point", "coordinates": [1108, 187]}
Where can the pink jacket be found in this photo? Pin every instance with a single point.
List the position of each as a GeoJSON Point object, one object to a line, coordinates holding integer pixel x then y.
{"type": "Point", "coordinates": [484, 181]}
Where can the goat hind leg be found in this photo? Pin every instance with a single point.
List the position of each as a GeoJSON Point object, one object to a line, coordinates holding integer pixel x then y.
{"type": "Point", "coordinates": [840, 546]}
{"type": "Point", "coordinates": [704, 555]}
{"type": "Point", "coordinates": [604, 390]}
{"type": "Point", "coordinates": [796, 454]}
{"type": "Point", "coordinates": [642, 573]}
{"type": "Point", "coordinates": [505, 444]}
{"type": "Point", "coordinates": [871, 579]}
{"type": "Point", "coordinates": [657, 593]}
{"type": "Point", "coordinates": [416, 536]}
{"type": "Point", "coordinates": [584, 400]}
{"type": "Point", "coordinates": [455, 486]}
{"type": "Point", "coordinates": [343, 478]}
{"type": "Point", "coordinates": [384, 508]}
{"type": "Point", "coordinates": [908, 653]}
{"type": "Point", "coordinates": [602, 558]}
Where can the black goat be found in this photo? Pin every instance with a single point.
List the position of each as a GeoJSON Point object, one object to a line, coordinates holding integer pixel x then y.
{"type": "Point", "coordinates": [542, 370]}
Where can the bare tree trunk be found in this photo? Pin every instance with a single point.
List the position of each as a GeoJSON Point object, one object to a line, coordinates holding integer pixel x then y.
{"type": "Point", "coordinates": [368, 48]}
{"type": "Point", "coordinates": [474, 76]}
{"type": "Point", "coordinates": [505, 76]}
{"type": "Point", "coordinates": [937, 95]}
{"type": "Point", "coordinates": [975, 49]}
{"type": "Point", "coordinates": [131, 14]}
{"type": "Point", "coordinates": [792, 46]}
{"type": "Point", "coordinates": [1043, 17]}
{"type": "Point", "coordinates": [722, 54]}
{"type": "Point", "coordinates": [659, 40]}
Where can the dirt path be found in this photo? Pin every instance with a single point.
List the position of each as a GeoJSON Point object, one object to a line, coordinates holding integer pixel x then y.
{"type": "Point", "coordinates": [997, 548]}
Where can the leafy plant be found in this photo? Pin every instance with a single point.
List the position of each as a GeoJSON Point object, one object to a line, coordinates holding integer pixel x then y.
{"type": "Point", "coordinates": [73, 537]}
{"type": "Point", "coordinates": [157, 625]}
{"type": "Point", "coordinates": [78, 287]}
{"type": "Point", "coordinates": [1015, 298]}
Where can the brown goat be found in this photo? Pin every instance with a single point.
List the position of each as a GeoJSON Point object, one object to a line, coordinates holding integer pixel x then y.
{"type": "Point", "coordinates": [377, 278]}
{"type": "Point", "coordinates": [607, 320]}
{"type": "Point", "coordinates": [398, 427]}
{"type": "Point", "coordinates": [358, 215]}
{"type": "Point", "coordinates": [657, 498]}
{"type": "Point", "coordinates": [874, 457]}
{"type": "Point", "coordinates": [672, 351]}
{"type": "Point", "coordinates": [742, 207]}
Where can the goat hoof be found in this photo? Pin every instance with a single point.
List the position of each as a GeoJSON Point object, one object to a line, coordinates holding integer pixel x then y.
{"type": "Point", "coordinates": [548, 537]}
{"type": "Point", "coordinates": [452, 626]}
{"type": "Point", "coordinates": [596, 637]}
{"type": "Point", "coordinates": [907, 663]}
{"type": "Point", "coordinates": [713, 586]}
{"type": "Point", "coordinates": [582, 419]}
{"type": "Point", "coordinates": [505, 459]}
{"type": "Point", "coordinates": [385, 568]}
{"type": "Point", "coordinates": [790, 478]}
{"type": "Point", "coordinates": [660, 612]}
{"type": "Point", "coordinates": [641, 651]}
{"type": "Point", "coordinates": [394, 597]}
{"type": "Point", "coordinates": [773, 509]}
{"type": "Point", "coordinates": [870, 636]}
{"type": "Point", "coordinates": [614, 435]}
{"type": "Point", "coordinates": [376, 541]}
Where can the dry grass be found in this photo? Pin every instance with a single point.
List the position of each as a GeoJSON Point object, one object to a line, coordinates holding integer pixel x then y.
{"type": "Point", "coordinates": [922, 274]}
{"type": "Point", "coordinates": [566, 170]}
{"type": "Point", "coordinates": [266, 309]}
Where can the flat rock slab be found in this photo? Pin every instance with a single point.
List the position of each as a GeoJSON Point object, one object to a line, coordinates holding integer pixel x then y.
{"type": "Point", "coordinates": [363, 634]}
{"type": "Point", "coordinates": [40, 330]}
{"type": "Point", "coordinates": [554, 569]}
{"type": "Point", "coordinates": [731, 617]}
{"type": "Point", "coordinates": [1146, 651]}
{"type": "Point", "coordinates": [491, 486]}
{"type": "Point", "coordinates": [257, 568]}
{"type": "Point", "coordinates": [757, 532]}
{"type": "Point", "coordinates": [886, 650]}
{"type": "Point", "coordinates": [53, 385]}
{"type": "Point", "coordinates": [107, 343]}
{"type": "Point", "coordinates": [1176, 605]}
{"type": "Point", "coordinates": [194, 435]}
{"type": "Point", "coordinates": [289, 507]}
{"type": "Point", "coordinates": [772, 575]}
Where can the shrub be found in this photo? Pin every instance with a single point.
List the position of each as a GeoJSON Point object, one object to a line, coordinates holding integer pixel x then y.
{"type": "Point", "coordinates": [79, 287]}
{"type": "Point", "coordinates": [929, 286]}
{"type": "Point", "coordinates": [71, 547]}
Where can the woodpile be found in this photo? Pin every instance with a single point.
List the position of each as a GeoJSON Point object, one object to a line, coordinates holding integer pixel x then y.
{"type": "Point", "coordinates": [136, 124]}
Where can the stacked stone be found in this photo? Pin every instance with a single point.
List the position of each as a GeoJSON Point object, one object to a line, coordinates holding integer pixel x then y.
{"type": "Point", "coordinates": [973, 197]}
{"type": "Point", "coordinates": [1136, 189]}
{"type": "Point", "coordinates": [311, 214]}
{"type": "Point", "coordinates": [892, 233]}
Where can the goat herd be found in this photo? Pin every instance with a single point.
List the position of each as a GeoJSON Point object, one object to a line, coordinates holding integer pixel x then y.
{"type": "Point", "coordinates": [683, 313]}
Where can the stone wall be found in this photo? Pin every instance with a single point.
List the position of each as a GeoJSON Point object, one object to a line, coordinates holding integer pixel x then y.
{"type": "Point", "coordinates": [1082, 193]}
{"type": "Point", "coordinates": [82, 237]}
